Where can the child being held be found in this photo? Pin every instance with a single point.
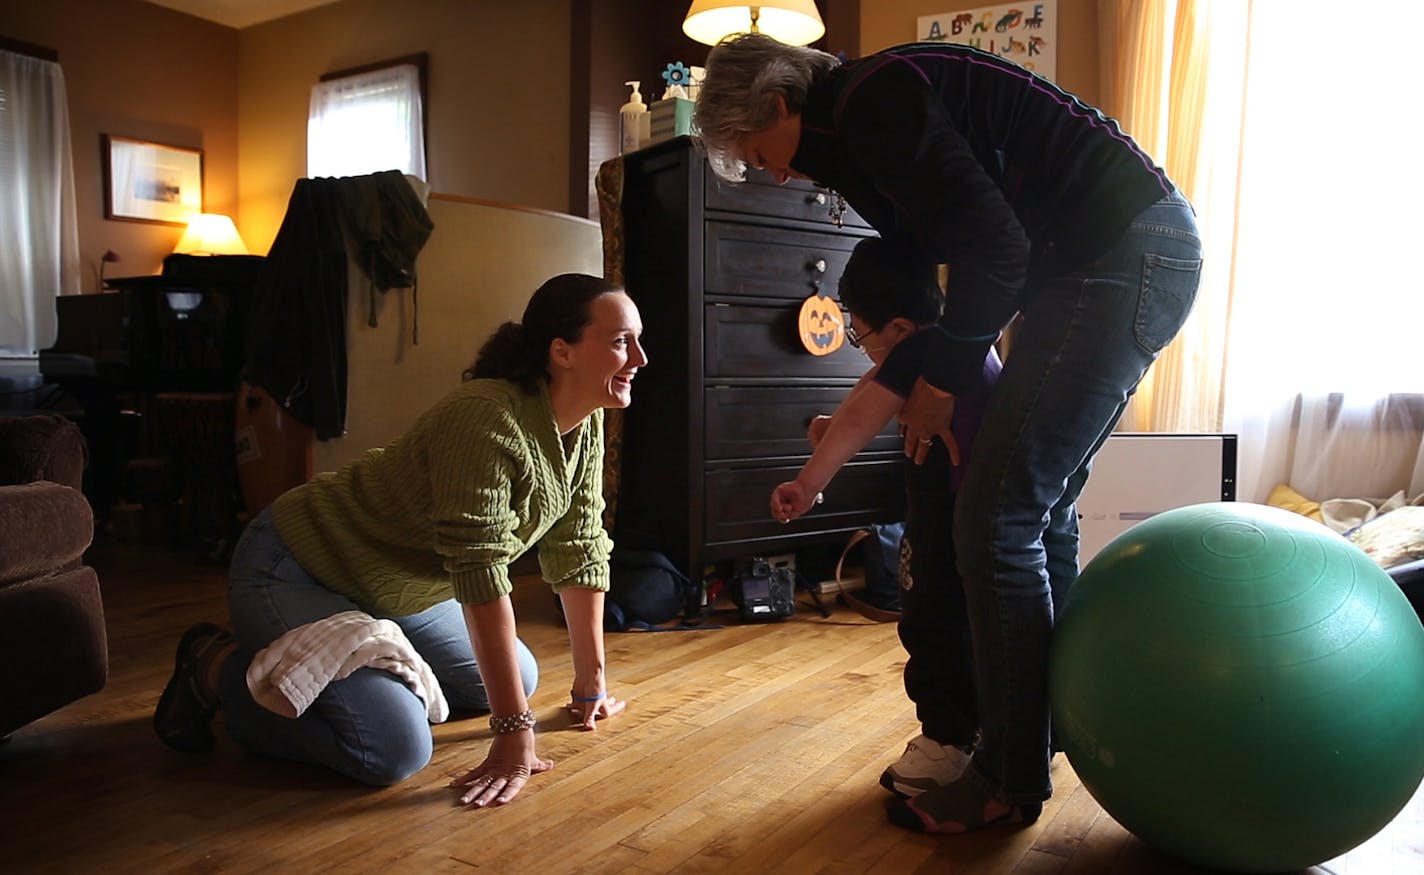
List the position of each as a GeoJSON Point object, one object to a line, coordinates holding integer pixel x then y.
{"type": "Point", "coordinates": [893, 296]}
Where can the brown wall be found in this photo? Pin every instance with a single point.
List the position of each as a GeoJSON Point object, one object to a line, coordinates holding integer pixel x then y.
{"type": "Point", "coordinates": [137, 70]}
{"type": "Point", "coordinates": [523, 97]}
{"type": "Point", "coordinates": [497, 119]}
{"type": "Point", "coordinates": [616, 41]}
{"type": "Point", "coordinates": [885, 23]}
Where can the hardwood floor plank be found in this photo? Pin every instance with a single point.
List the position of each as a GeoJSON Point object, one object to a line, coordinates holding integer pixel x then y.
{"type": "Point", "coordinates": [1066, 832]}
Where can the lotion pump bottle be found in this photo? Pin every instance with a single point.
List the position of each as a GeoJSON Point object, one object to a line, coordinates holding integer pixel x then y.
{"type": "Point", "coordinates": [633, 121]}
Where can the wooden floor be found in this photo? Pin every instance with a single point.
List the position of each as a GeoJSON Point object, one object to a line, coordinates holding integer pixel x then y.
{"type": "Point", "coordinates": [750, 749]}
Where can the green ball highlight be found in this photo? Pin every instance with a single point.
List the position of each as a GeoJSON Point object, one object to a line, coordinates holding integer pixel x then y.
{"type": "Point", "coordinates": [1241, 688]}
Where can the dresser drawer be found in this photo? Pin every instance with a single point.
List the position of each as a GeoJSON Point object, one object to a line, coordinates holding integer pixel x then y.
{"type": "Point", "coordinates": [760, 195]}
{"type": "Point", "coordinates": [763, 342]}
{"type": "Point", "coordinates": [761, 262]}
{"type": "Point", "coordinates": [739, 500]}
{"type": "Point", "coordinates": [745, 422]}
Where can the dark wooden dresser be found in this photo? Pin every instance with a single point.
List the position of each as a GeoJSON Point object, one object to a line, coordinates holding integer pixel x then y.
{"type": "Point", "coordinates": [719, 272]}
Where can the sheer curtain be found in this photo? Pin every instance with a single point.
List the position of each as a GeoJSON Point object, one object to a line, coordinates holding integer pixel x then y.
{"type": "Point", "coordinates": [367, 123]}
{"type": "Point", "coordinates": [1324, 334]}
{"type": "Point", "coordinates": [1297, 154]}
{"type": "Point", "coordinates": [39, 232]}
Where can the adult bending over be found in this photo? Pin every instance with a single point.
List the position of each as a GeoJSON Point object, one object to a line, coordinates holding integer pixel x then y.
{"type": "Point", "coordinates": [1040, 206]}
{"type": "Point", "coordinates": [422, 533]}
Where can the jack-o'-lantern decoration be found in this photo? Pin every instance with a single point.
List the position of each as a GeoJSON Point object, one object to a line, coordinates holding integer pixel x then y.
{"type": "Point", "coordinates": [821, 325]}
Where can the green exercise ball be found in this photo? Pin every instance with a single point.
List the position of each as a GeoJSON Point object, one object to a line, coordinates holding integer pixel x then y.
{"type": "Point", "coordinates": [1241, 688]}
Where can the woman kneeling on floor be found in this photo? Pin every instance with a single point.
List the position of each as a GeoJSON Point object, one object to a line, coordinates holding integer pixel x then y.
{"type": "Point", "coordinates": [367, 601]}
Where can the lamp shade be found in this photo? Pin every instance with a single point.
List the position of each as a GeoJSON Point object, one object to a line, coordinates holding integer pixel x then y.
{"type": "Point", "coordinates": [211, 234]}
{"type": "Point", "coordinates": [794, 22]}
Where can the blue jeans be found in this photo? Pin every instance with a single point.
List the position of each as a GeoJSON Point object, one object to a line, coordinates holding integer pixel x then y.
{"type": "Point", "coordinates": [1086, 340]}
{"type": "Point", "coordinates": [369, 726]}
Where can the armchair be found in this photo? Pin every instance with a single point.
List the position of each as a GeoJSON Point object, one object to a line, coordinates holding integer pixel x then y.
{"type": "Point", "coordinates": [53, 641]}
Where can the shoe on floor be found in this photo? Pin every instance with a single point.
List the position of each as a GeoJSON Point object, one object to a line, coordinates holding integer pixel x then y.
{"type": "Point", "coordinates": [184, 714]}
{"type": "Point", "coordinates": [959, 807]}
{"type": "Point", "coordinates": [924, 765]}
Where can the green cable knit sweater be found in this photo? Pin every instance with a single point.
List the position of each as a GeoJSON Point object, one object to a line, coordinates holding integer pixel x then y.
{"type": "Point", "coordinates": [444, 509]}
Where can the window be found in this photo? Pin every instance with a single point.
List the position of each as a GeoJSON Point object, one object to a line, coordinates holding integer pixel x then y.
{"type": "Point", "coordinates": [369, 120]}
{"type": "Point", "coordinates": [39, 231]}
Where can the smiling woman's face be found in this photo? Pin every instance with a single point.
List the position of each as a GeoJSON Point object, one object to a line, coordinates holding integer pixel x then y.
{"type": "Point", "coordinates": [609, 353]}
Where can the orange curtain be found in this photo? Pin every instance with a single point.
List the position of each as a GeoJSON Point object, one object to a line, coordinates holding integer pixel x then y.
{"type": "Point", "coordinates": [1174, 83]}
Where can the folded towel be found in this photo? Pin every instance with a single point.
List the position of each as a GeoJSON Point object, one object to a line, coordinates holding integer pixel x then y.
{"type": "Point", "coordinates": [288, 675]}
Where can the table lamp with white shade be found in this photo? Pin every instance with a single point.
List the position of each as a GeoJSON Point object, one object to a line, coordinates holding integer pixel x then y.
{"type": "Point", "coordinates": [794, 22]}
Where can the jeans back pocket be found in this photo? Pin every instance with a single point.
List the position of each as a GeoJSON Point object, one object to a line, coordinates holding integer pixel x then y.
{"type": "Point", "coordinates": [1169, 286]}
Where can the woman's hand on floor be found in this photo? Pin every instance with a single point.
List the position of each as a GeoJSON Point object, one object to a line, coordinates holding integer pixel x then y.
{"type": "Point", "coordinates": [512, 759]}
{"type": "Point", "coordinates": [588, 710]}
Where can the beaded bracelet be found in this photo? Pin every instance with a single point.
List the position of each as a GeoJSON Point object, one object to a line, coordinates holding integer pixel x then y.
{"type": "Point", "coordinates": [507, 723]}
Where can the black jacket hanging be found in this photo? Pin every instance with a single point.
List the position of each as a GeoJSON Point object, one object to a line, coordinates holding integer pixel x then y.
{"type": "Point", "coordinates": [297, 345]}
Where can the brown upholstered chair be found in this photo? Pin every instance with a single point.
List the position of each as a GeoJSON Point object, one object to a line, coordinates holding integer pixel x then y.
{"type": "Point", "coordinates": [53, 643]}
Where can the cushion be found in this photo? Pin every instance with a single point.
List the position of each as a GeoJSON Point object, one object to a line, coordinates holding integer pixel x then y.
{"type": "Point", "coordinates": [47, 527]}
{"type": "Point", "coordinates": [1392, 538]}
{"type": "Point", "coordinates": [41, 447]}
{"type": "Point", "coordinates": [1286, 498]}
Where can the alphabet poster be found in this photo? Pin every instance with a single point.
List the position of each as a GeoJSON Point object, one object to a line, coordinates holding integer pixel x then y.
{"type": "Point", "coordinates": [1025, 33]}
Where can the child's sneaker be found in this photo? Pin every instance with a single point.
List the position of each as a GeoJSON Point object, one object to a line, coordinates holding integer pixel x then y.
{"type": "Point", "coordinates": [924, 765]}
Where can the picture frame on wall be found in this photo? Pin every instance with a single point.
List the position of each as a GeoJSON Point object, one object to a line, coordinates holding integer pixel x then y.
{"type": "Point", "coordinates": [151, 182]}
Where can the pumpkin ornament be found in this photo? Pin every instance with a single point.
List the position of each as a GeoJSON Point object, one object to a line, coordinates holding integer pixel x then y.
{"type": "Point", "coordinates": [821, 324]}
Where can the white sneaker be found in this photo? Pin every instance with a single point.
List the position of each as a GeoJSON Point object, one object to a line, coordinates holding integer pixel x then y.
{"type": "Point", "coordinates": [924, 765]}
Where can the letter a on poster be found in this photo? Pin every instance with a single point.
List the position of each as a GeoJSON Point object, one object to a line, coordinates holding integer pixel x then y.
{"type": "Point", "coordinates": [1025, 33]}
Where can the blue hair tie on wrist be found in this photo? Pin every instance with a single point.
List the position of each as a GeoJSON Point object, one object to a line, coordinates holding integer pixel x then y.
{"type": "Point", "coordinates": [587, 698]}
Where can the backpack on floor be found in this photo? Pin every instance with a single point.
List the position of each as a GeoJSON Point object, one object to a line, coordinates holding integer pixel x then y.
{"type": "Point", "coordinates": [647, 590]}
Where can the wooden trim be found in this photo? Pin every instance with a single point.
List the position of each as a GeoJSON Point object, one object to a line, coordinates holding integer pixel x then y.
{"type": "Point", "coordinates": [24, 48]}
{"type": "Point", "coordinates": [842, 18]}
{"type": "Point", "coordinates": [581, 202]}
{"type": "Point", "coordinates": [553, 214]}
{"type": "Point", "coordinates": [420, 60]}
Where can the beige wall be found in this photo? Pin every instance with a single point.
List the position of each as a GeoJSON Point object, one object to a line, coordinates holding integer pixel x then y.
{"type": "Point", "coordinates": [885, 23]}
{"type": "Point", "coordinates": [137, 70]}
{"type": "Point", "coordinates": [498, 117]}
{"type": "Point", "coordinates": [478, 269]}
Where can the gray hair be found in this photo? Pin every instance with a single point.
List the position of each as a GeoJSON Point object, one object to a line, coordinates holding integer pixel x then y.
{"type": "Point", "coordinates": [745, 74]}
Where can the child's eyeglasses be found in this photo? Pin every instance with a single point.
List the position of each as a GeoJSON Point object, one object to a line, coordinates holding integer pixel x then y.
{"type": "Point", "coordinates": [855, 337]}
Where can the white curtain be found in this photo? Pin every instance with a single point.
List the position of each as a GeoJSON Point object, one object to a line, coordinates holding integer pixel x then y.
{"type": "Point", "coordinates": [367, 123]}
{"type": "Point", "coordinates": [1324, 374]}
{"type": "Point", "coordinates": [39, 232]}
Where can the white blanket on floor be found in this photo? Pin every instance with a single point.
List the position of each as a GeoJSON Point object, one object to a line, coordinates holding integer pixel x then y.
{"type": "Point", "coordinates": [288, 675]}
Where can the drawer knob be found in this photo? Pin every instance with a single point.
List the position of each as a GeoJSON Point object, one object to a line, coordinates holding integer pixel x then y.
{"type": "Point", "coordinates": [819, 199]}
{"type": "Point", "coordinates": [818, 266]}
